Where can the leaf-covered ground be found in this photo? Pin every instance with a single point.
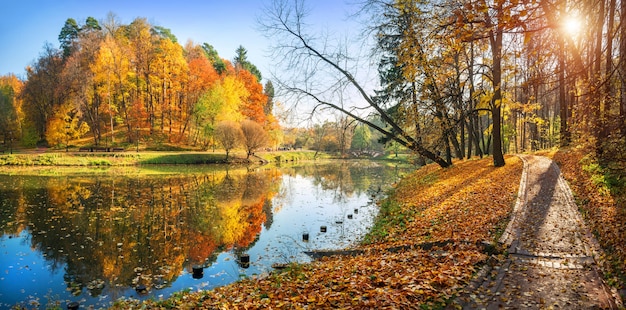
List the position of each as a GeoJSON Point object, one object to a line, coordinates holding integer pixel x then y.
{"type": "Point", "coordinates": [458, 206]}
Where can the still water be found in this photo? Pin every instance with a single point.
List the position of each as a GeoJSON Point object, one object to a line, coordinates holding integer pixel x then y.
{"type": "Point", "coordinates": [95, 236]}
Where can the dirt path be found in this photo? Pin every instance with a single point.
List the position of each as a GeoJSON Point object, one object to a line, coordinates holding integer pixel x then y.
{"type": "Point", "coordinates": [552, 255]}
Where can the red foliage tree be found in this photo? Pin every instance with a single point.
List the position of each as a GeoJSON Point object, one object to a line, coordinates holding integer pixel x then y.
{"type": "Point", "coordinates": [253, 108]}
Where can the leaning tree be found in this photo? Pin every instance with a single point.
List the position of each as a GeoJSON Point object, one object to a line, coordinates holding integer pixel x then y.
{"type": "Point", "coordinates": [325, 74]}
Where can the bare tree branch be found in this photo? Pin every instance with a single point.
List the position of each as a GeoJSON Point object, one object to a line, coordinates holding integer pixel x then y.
{"type": "Point", "coordinates": [297, 52]}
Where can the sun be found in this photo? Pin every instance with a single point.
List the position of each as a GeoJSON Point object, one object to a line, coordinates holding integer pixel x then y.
{"type": "Point", "coordinates": [572, 25]}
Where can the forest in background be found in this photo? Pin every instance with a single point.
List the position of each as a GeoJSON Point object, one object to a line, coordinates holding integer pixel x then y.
{"type": "Point", "coordinates": [115, 83]}
{"type": "Point", "coordinates": [460, 78]}
{"type": "Point", "coordinates": [457, 79]}
{"type": "Point", "coordinates": [112, 85]}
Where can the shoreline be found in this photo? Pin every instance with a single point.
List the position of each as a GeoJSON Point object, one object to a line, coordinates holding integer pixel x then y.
{"type": "Point", "coordinates": [151, 158]}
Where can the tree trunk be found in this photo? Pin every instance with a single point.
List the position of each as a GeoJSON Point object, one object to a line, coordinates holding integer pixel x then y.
{"type": "Point", "coordinates": [462, 146]}
{"type": "Point", "coordinates": [458, 153]}
{"type": "Point", "coordinates": [596, 78]}
{"type": "Point", "coordinates": [481, 135]}
{"type": "Point", "coordinates": [496, 101]}
{"type": "Point", "coordinates": [622, 69]}
{"type": "Point", "coordinates": [564, 130]}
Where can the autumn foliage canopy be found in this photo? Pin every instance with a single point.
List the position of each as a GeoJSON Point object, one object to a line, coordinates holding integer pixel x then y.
{"type": "Point", "coordinates": [118, 83]}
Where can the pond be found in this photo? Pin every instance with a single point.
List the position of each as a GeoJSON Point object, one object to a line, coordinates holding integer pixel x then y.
{"type": "Point", "coordinates": [94, 236]}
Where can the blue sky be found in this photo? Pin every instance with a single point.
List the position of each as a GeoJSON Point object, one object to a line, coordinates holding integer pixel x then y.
{"type": "Point", "coordinates": [26, 26]}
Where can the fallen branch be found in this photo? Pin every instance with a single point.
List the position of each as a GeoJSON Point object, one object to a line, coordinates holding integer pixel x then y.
{"type": "Point", "coordinates": [485, 246]}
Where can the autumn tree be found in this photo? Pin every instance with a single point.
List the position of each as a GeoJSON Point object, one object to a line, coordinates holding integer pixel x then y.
{"type": "Point", "coordinates": [142, 54]}
{"type": "Point", "coordinates": [274, 130]}
{"type": "Point", "coordinates": [42, 92]}
{"type": "Point", "coordinates": [325, 137]}
{"type": "Point", "coordinates": [254, 136]}
{"type": "Point", "coordinates": [171, 70]}
{"type": "Point", "coordinates": [269, 91]}
{"type": "Point", "coordinates": [137, 77]}
{"type": "Point", "coordinates": [229, 135]}
{"type": "Point", "coordinates": [11, 118]}
{"type": "Point", "coordinates": [253, 106]}
{"type": "Point", "coordinates": [86, 90]}
{"type": "Point", "coordinates": [495, 17]}
{"type": "Point", "coordinates": [311, 62]}
{"type": "Point", "coordinates": [418, 74]}
{"type": "Point", "coordinates": [112, 68]}
{"type": "Point", "coordinates": [220, 102]}
{"type": "Point", "coordinates": [489, 22]}
{"type": "Point", "coordinates": [346, 126]}
{"type": "Point", "coordinates": [589, 88]}
{"type": "Point", "coordinates": [318, 133]}
{"type": "Point", "coordinates": [201, 77]}
{"type": "Point", "coordinates": [65, 125]}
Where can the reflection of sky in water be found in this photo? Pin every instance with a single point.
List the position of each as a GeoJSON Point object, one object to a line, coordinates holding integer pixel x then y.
{"type": "Point", "coordinates": [26, 277]}
{"type": "Point", "coordinates": [306, 208]}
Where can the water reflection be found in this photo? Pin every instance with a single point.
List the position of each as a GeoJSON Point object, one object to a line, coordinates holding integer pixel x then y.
{"type": "Point", "coordinates": [95, 238]}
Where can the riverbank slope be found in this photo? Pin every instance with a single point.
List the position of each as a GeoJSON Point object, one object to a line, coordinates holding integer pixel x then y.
{"type": "Point", "coordinates": [426, 244]}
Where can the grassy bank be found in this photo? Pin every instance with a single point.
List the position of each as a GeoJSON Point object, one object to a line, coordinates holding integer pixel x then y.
{"type": "Point", "coordinates": [105, 159]}
{"type": "Point", "coordinates": [291, 156]}
{"type": "Point", "coordinates": [456, 208]}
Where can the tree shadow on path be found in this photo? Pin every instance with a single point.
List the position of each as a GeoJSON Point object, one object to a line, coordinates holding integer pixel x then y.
{"type": "Point", "coordinates": [548, 264]}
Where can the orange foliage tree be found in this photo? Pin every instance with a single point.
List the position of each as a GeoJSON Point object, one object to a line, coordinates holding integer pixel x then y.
{"type": "Point", "coordinates": [138, 77]}
{"type": "Point", "coordinates": [253, 106]}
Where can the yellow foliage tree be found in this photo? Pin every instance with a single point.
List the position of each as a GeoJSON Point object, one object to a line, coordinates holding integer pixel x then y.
{"type": "Point", "coordinates": [64, 126]}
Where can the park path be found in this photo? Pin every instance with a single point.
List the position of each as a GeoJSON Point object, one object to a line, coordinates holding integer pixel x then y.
{"type": "Point", "coordinates": [552, 255]}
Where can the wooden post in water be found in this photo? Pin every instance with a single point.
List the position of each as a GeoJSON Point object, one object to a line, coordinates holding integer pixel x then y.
{"type": "Point", "coordinates": [198, 272]}
{"type": "Point", "coordinates": [244, 260]}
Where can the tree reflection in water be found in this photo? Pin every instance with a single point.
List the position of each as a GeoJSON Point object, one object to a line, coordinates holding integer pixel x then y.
{"type": "Point", "coordinates": [114, 232]}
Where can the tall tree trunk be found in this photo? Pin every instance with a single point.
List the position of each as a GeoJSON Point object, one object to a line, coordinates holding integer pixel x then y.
{"type": "Point", "coordinates": [481, 135]}
{"type": "Point", "coordinates": [496, 101]}
{"type": "Point", "coordinates": [609, 93]}
{"type": "Point", "coordinates": [473, 117]}
{"type": "Point", "coordinates": [478, 136]}
{"type": "Point", "coordinates": [596, 78]}
{"type": "Point", "coordinates": [452, 135]}
{"type": "Point", "coordinates": [563, 109]}
{"type": "Point", "coordinates": [524, 124]}
{"type": "Point", "coordinates": [421, 161]}
{"type": "Point", "coordinates": [469, 138]}
{"type": "Point", "coordinates": [622, 69]}
{"type": "Point", "coordinates": [462, 134]}
{"type": "Point", "coordinates": [446, 140]}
